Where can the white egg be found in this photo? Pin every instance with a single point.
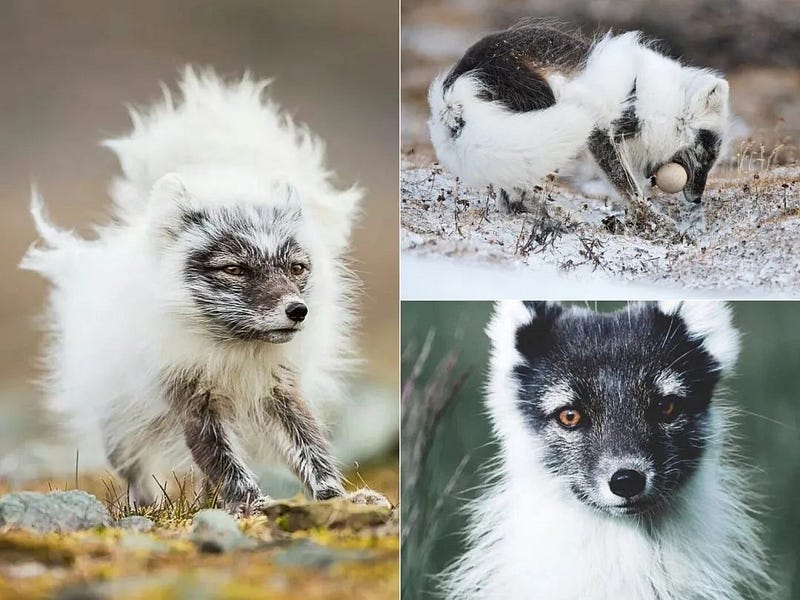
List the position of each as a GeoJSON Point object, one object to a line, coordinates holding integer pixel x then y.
{"type": "Point", "coordinates": [671, 178]}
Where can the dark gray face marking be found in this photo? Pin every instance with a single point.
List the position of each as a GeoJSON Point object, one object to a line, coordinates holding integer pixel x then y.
{"type": "Point", "coordinates": [511, 64]}
{"type": "Point", "coordinates": [614, 366]}
{"type": "Point", "coordinates": [239, 287]}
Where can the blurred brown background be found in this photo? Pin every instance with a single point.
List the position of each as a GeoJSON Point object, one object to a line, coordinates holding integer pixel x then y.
{"type": "Point", "coordinates": [68, 68]}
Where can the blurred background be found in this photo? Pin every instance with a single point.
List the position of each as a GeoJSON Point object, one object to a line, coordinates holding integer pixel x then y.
{"type": "Point", "coordinates": [445, 439]}
{"type": "Point", "coordinates": [756, 45]}
{"type": "Point", "coordinates": [67, 72]}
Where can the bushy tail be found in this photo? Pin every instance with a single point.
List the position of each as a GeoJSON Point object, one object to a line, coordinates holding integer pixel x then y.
{"type": "Point", "coordinates": [47, 259]}
{"type": "Point", "coordinates": [484, 143]}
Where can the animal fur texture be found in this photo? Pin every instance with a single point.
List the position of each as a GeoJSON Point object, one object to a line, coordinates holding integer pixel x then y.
{"type": "Point", "coordinates": [644, 382]}
{"type": "Point", "coordinates": [524, 102]}
{"type": "Point", "coordinates": [209, 325]}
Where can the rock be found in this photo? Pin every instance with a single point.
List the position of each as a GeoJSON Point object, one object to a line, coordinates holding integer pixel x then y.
{"type": "Point", "coordinates": [216, 531]}
{"type": "Point", "coordinates": [306, 553]}
{"type": "Point", "coordinates": [56, 511]}
{"type": "Point", "coordinates": [299, 513]}
{"type": "Point", "coordinates": [135, 523]}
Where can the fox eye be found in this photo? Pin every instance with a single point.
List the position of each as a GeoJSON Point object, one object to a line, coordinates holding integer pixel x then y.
{"type": "Point", "coordinates": [570, 418]}
{"type": "Point", "coordinates": [235, 270]}
{"type": "Point", "coordinates": [298, 269]}
{"type": "Point", "coordinates": [667, 408]}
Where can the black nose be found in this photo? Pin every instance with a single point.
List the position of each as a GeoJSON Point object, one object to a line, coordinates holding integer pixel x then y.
{"type": "Point", "coordinates": [296, 311]}
{"type": "Point", "coordinates": [627, 483]}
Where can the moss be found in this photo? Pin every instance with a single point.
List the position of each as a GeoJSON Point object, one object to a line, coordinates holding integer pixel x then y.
{"type": "Point", "coordinates": [96, 561]}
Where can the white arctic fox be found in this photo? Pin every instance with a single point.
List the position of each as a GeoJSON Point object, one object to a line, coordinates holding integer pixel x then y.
{"type": "Point", "coordinates": [618, 477]}
{"type": "Point", "coordinates": [522, 103]}
{"type": "Point", "coordinates": [209, 324]}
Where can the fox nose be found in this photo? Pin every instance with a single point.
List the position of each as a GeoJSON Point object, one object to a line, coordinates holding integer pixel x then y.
{"type": "Point", "coordinates": [296, 311]}
{"type": "Point", "coordinates": [627, 483]}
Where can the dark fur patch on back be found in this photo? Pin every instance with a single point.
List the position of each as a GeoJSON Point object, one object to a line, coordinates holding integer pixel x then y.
{"type": "Point", "coordinates": [511, 64]}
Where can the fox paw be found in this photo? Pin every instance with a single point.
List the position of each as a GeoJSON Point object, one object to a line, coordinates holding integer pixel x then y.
{"type": "Point", "coordinates": [367, 496]}
{"type": "Point", "coordinates": [248, 507]}
{"type": "Point", "coordinates": [517, 200]}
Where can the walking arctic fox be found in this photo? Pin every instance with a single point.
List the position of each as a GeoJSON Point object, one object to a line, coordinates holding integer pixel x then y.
{"type": "Point", "coordinates": [210, 323]}
{"type": "Point", "coordinates": [617, 477]}
{"type": "Point", "coordinates": [522, 103]}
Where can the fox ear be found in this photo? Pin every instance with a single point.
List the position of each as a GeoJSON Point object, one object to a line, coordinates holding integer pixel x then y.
{"type": "Point", "coordinates": [521, 330]}
{"type": "Point", "coordinates": [709, 96]}
{"type": "Point", "coordinates": [711, 323]}
{"type": "Point", "coordinates": [169, 202]}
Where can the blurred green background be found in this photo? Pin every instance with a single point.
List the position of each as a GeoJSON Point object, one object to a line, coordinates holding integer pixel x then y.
{"type": "Point", "coordinates": [767, 383]}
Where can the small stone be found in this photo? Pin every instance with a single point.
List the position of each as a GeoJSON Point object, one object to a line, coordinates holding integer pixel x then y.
{"type": "Point", "coordinates": [306, 553]}
{"type": "Point", "coordinates": [135, 523]}
{"type": "Point", "coordinates": [216, 531]}
{"type": "Point", "coordinates": [56, 511]}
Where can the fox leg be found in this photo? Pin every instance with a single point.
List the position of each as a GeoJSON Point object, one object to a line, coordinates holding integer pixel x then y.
{"type": "Point", "coordinates": [606, 154]}
{"type": "Point", "coordinates": [301, 440]}
{"type": "Point", "coordinates": [214, 447]}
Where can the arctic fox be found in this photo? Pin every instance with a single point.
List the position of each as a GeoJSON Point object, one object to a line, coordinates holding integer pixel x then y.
{"type": "Point", "coordinates": [617, 475]}
{"type": "Point", "coordinates": [210, 323]}
{"type": "Point", "coordinates": [522, 103]}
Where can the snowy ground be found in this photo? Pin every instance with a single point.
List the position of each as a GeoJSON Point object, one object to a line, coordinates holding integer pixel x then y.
{"type": "Point", "coordinates": [457, 244]}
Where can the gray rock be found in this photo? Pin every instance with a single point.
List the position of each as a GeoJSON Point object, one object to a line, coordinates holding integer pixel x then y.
{"type": "Point", "coordinates": [135, 523]}
{"type": "Point", "coordinates": [215, 530]}
{"type": "Point", "coordinates": [56, 511]}
{"type": "Point", "coordinates": [306, 553]}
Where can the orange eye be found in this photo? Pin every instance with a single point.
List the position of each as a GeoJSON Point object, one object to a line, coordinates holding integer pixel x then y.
{"type": "Point", "coordinates": [666, 407]}
{"type": "Point", "coordinates": [233, 270]}
{"type": "Point", "coordinates": [569, 418]}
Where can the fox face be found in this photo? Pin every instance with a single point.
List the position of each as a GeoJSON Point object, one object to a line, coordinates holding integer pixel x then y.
{"type": "Point", "coordinates": [619, 405]}
{"type": "Point", "coordinates": [244, 269]}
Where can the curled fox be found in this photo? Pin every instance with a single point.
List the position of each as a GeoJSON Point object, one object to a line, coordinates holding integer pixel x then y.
{"type": "Point", "coordinates": [210, 324]}
{"type": "Point", "coordinates": [522, 103]}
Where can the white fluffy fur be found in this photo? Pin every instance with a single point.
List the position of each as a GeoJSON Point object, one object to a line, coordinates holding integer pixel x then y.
{"type": "Point", "coordinates": [499, 146]}
{"type": "Point", "coordinates": [118, 313]}
{"type": "Point", "coordinates": [508, 149]}
{"type": "Point", "coordinates": [530, 538]}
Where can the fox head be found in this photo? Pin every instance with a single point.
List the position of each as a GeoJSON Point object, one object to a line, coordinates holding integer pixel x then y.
{"type": "Point", "coordinates": [676, 114]}
{"type": "Point", "coordinates": [618, 409]}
